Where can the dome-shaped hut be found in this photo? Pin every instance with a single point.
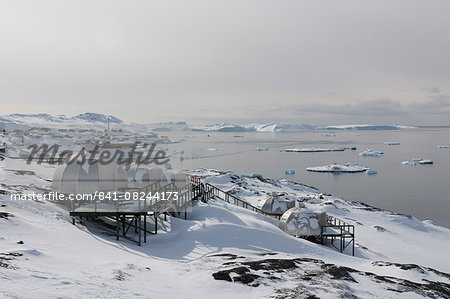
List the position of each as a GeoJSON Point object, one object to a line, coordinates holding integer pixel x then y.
{"type": "Point", "coordinates": [82, 177]}
{"type": "Point", "coordinates": [275, 205]}
{"type": "Point", "coordinates": [302, 222]}
{"type": "Point", "coordinates": [140, 176]}
{"type": "Point", "coordinates": [178, 177]}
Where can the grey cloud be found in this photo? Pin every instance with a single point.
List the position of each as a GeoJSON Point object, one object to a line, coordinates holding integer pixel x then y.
{"type": "Point", "coordinates": [431, 90]}
{"type": "Point", "coordinates": [438, 104]}
{"type": "Point", "coordinates": [370, 107]}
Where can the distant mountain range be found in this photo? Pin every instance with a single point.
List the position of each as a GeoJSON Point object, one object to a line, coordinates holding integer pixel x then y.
{"type": "Point", "coordinates": [45, 119]}
{"type": "Point", "coordinates": [275, 127]}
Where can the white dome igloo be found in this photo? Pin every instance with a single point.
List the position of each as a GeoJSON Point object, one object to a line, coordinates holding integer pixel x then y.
{"type": "Point", "coordinates": [82, 177]}
{"type": "Point", "coordinates": [275, 205]}
{"type": "Point", "coordinates": [141, 176]}
{"type": "Point", "coordinates": [302, 222]}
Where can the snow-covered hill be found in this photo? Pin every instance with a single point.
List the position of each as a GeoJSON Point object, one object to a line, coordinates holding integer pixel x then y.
{"type": "Point", "coordinates": [221, 250]}
{"type": "Point", "coordinates": [44, 119]}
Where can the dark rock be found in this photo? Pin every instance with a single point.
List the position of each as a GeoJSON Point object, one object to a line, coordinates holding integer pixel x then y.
{"type": "Point", "coordinates": [271, 264]}
{"type": "Point", "coordinates": [379, 228]}
{"type": "Point", "coordinates": [339, 272]}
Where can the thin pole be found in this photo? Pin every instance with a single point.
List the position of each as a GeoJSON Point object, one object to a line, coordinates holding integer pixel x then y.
{"type": "Point", "coordinates": [117, 227]}
{"type": "Point", "coordinates": [145, 228]}
{"type": "Point", "coordinates": [140, 229]}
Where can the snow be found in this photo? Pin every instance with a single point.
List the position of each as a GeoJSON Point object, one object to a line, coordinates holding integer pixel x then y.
{"type": "Point", "coordinates": [44, 118]}
{"type": "Point", "coordinates": [348, 167]}
{"type": "Point", "coordinates": [371, 153]}
{"type": "Point", "coordinates": [61, 260]}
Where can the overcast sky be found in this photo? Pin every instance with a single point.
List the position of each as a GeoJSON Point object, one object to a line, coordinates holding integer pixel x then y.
{"type": "Point", "coordinates": [318, 62]}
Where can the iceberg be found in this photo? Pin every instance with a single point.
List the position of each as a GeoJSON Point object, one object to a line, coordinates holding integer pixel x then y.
{"type": "Point", "coordinates": [371, 171]}
{"type": "Point", "coordinates": [283, 127]}
{"type": "Point", "coordinates": [262, 149]}
{"type": "Point", "coordinates": [417, 160]}
{"type": "Point", "coordinates": [314, 150]}
{"type": "Point", "coordinates": [348, 167]}
{"type": "Point", "coordinates": [289, 171]}
{"type": "Point", "coordinates": [443, 146]}
{"type": "Point", "coordinates": [371, 153]}
{"type": "Point", "coordinates": [366, 127]}
{"type": "Point", "coordinates": [392, 143]}
{"type": "Point", "coordinates": [224, 127]}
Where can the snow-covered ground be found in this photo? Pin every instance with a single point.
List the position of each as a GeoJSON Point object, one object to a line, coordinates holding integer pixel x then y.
{"type": "Point", "coordinates": [221, 250]}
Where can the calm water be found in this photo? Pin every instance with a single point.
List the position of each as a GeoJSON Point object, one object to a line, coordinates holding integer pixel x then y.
{"type": "Point", "coordinates": [422, 190]}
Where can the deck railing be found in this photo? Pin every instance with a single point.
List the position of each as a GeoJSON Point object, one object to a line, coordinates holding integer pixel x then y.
{"type": "Point", "coordinates": [212, 191]}
{"type": "Point", "coordinates": [340, 230]}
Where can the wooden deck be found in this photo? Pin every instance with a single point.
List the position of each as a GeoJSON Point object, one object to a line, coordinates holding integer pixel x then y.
{"type": "Point", "coordinates": [134, 213]}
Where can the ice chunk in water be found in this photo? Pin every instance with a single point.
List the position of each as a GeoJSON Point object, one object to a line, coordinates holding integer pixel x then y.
{"type": "Point", "coordinates": [371, 153]}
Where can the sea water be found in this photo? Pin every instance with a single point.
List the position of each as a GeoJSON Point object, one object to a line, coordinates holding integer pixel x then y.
{"type": "Point", "coordinates": [422, 190]}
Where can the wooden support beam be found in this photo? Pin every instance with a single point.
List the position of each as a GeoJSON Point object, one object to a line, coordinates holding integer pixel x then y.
{"type": "Point", "coordinates": [117, 227]}
{"type": "Point", "coordinates": [145, 228]}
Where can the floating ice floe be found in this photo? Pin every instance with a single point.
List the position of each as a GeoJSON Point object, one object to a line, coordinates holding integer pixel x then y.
{"type": "Point", "coordinates": [314, 150]}
{"type": "Point", "coordinates": [392, 143]}
{"type": "Point", "coordinates": [371, 153]}
{"type": "Point", "coordinates": [289, 171]}
{"type": "Point", "coordinates": [329, 135]}
{"type": "Point", "coordinates": [417, 160]}
{"type": "Point", "coordinates": [371, 171]}
{"type": "Point", "coordinates": [212, 149]}
{"type": "Point", "coordinates": [443, 146]}
{"type": "Point", "coordinates": [348, 167]}
{"type": "Point", "coordinates": [262, 149]}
